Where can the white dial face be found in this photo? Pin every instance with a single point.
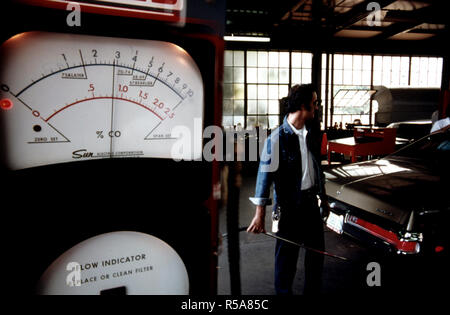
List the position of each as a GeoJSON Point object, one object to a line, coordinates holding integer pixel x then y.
{"type": "Point", "coordinates": [74, 97]}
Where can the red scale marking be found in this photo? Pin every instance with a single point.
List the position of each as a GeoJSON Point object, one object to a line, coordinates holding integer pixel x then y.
{"type": "Point", "coordinates": [103, 97]}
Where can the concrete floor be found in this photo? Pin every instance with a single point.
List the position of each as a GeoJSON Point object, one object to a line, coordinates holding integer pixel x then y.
{"type": "Point", "coordinates": [257, 260]}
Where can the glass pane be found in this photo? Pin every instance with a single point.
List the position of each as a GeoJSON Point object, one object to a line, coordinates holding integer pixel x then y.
{"type": "Point", "coordinates": [252, 75]}
{"type": "Point", "coordinates": [273, 75]}
{"type": "Point", "coordinates": [357, 62]}
{"type": "Point", "coordinates": [306, 76]}
{"type": "Point", "coordinates": [239, 75]}
{"type": "Point", "coordinates": [364, 119]}
{"type": "Point", "coordinates": [262, 107]}
{"type": "Point", "coordinates": [386, 79]}
{"type": "Point", "coordinates": [439, 72]}
{"type": "Point", "coordinates": [273, 59]}
{"type": "Point", "coordinates": [365, 80]}
{"type": "Point", "coordinates": [228, 74]}
{"type": "Point", "coordinates": [337, 76]}
{"type": "Point", "coordinates": [239, 91]}
{"type": "Point", "coordinates": [395, 78]}
{"type": "Point", "coordinates": [227, 121]}
{"type": "Point", "coordinates": [432, 64]}
{"type": "Point", "coordinates": [439, 64]}
{"type": "Point", "coordinates": [284, 90]}
{"type": "Point", "coordinates": [367, 62]}
{"type": "Point", "coordinates": [239, 107]}
{"type": "Point", "coordinates": [273, 92]}
{"type": "Point", "coordinates": [423, 78]}
{"type": "Point", "coordinates": [306, 60]}
{"type": "Point", "coordinates": [346, 119]}
{"type": "Point", "coordinates": [227, 91]}
{"type": "Point", "coordinates": [263, 59]}
{"type": "Point", "coordinates": [296, 76]}
{"type": "Point", "coordinates": [376, 77]}
{"type": "Point", "coordinates": [348, 62]}
{"type": "Point", "coordinates": [262, 122]}
{"type": "Point", "coordinates": [251, 121]}
{"type": "Point", "coordinates": [251, 92]}
{"type": "Point", "coordinates": [284, 75]}
{"type": "Point", "coordinates": [227, 107]}
{"type": "Point", "coordinates": [239, 58]}
{"type": "Point", "coordinates": [404, 63]}
{"type": "Point", "coordinates": [423, 64]}
{"type": "Point", "coordinates": [350, 94]}
{"type": "Point", "coordinates": [228, 58]}
{"type": "Point", "coordinates": [262, 75]}
{"type": "Point", "coordinates": [338, 62]}
{"type": "Point", "coordinates": [414, 78]}
{"type": "Point", "coordinates": [262, 91]}
{"type": "Point", "coordinates": [273, 122]}
{"type": "Point", "coordinates": [324, 61]}
{"type": "Point", "coordinates": [395, 64]}
{"type": "Point", "coordinates": [378, 63]}
{"type": "Point", "coordinates": [274, 107]}
{"type": "Point", "coordinates": [404, 71]}
{"type": "Point", "coordinates": [239, 121]}
{"type": "Point", "coordinates": [438, 79]}
{"type": "Point", "coordinates": [284, 59]}
{"type": "Point", "coordinates": [251, 107]}
{"type": "Point", "coordinates": [404, 77]}
{"type": "Point", "coordinates": [357, 77]}
{"type": "Point", "coordinates": [386, 63]}
{"type": "Point", "coordinates": [338, 93]}
{"type": "Point", "coordinates": [296, 60]}
{"type": "Point", "coordinates": [415, 64]}
{"type": "Point", "coordinates": [252, 59]}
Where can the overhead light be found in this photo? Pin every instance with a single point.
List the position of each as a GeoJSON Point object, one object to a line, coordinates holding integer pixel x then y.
{"type": "Point", "coordinates": [247, 38]}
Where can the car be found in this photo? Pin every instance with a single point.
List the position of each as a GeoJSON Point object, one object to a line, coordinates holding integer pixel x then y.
{"type": "Point", "coordinates": [398, 204]}
{"type": "Point", "coordinates": [410, 131]}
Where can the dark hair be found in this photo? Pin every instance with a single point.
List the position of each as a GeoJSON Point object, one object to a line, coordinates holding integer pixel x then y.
{"type": "Point", "coordinates": [300, 96]}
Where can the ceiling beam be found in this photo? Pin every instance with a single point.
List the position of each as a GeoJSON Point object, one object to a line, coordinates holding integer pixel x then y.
{"type": "Point", "coordinates": [355, 14]}
{"type": "Point", "coordinates": [395, 29]}
{"type": "Point", "coordinates": [411, 19]}
{"type": "Point", "coordinates": [297, 6]}
{"type": "Point", "coordinates": [430, 14]}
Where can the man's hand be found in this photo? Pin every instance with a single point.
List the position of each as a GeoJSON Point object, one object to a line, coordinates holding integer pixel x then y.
{"type": "Point", "coordinates": [258, 222]}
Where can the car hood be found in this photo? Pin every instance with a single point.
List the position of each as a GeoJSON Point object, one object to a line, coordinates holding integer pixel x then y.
{"type": "Point", "coordinates": [391, 187]}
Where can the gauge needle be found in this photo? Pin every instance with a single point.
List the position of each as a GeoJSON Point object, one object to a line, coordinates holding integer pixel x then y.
{"type": "Point", "coordinates": [112, 110]}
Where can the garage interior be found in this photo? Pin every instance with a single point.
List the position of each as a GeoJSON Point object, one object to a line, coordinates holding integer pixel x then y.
{"type": "Point", "coordinates": [374, 64]}
{"type": "Point", "coordinates": [381, 70]}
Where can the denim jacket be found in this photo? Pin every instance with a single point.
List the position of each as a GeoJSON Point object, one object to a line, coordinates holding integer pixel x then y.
{"type": "Point", "coordinates": [281, 164]}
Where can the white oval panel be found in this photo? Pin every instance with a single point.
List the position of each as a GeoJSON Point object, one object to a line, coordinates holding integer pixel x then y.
{"type": "Point", "coordinates": [130, 262]}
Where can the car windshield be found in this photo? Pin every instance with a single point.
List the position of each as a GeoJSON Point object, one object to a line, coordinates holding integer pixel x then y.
{"type": "Point", "coordinates": [428, 148]}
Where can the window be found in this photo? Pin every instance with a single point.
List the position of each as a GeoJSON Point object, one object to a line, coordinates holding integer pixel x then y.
{"type": "Point", "coordinates": [350, 92]}
{"type": "Point", "coordinates": [233, 88]}
{"type": "Point", "coordinates": [350, 80]}
{"type": "Point", "coordinates": [255, 81]}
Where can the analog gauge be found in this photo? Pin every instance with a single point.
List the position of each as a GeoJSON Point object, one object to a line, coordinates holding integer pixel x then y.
{"type": "Point", "coordinates": [74, 97]}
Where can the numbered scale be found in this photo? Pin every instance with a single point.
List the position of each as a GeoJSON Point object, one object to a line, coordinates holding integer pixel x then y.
{"type": "Point", "coordinates": [73, 97]}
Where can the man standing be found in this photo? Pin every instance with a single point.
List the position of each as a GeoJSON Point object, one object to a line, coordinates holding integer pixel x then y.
{"type": "Point", "coordinates": [297, 182]}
